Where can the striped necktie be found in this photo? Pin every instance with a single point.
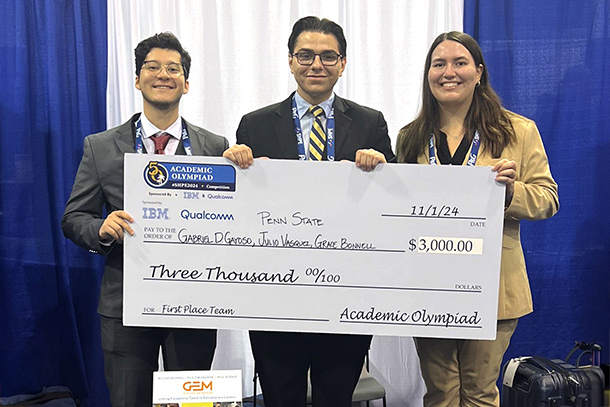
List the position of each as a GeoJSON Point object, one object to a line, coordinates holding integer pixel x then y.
{"type": "Point", "coordinates": [317, 138]}
{"type": "Point", "coordinates": [160, 139]}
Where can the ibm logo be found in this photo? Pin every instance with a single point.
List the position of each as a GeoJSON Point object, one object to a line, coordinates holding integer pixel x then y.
{"type": "Point", "coordinates": [155, 213]}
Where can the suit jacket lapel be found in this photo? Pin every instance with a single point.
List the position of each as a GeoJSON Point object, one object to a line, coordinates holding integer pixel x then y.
{"type": "Point", "coordinates": [283, 128]}
{"type": "Point", "coordinates": [342, 125]}
{"type": "Point", "coordinates": [196, 141]}
{"type": "Point", "coordinates": [180, 150]}
{"type": "Point", "coordinates": [125, 139]}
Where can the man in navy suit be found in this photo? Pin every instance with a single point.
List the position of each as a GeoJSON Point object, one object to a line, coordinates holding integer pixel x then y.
{"type": "Point", "coordinates": [94, 219]}
{"type": "Point", "coordinates": [317, 58]}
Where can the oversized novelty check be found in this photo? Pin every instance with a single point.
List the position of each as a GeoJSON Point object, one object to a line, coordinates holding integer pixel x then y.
{"type": "Point", "coordinates": [411, 250]}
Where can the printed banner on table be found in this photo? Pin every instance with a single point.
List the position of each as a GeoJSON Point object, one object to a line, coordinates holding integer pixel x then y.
{"type": "Point", "coordinates": [213, 388]}
{"type": "Point", "coordinates": [411, 250]}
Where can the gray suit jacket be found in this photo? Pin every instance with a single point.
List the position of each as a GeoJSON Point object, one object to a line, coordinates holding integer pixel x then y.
{"type": "Point", "coordinates": [99, 185]}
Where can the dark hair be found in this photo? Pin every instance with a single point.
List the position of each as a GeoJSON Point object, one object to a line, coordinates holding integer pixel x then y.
{"type": "Point", "coordinates": [315, 24]}
{"type": "Point", "coordinates": [485, 113]}
{"type": "Point", "coordinates": [165, 40]}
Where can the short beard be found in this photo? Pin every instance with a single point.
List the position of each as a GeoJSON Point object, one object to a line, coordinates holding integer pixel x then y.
{"type": "Point", "coordinates": [163, 106]}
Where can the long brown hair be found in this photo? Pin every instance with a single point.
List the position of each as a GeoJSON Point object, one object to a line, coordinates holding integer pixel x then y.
{"type": "Point", "coordinates": [485, 113]}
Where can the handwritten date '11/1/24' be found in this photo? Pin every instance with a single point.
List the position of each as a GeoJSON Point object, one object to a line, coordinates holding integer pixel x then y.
{"type": "Point", "coordinates": [434, 211]}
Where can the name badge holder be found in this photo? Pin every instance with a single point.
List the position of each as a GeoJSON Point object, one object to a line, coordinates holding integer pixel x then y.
{"type": "Point", "coordinates": [186, 141]}
{"type": "Point", "coordinates": [330, 134]}
{"type": "Point", "coordinates": [472, 158]}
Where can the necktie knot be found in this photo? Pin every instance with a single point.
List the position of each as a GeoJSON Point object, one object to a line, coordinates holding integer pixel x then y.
{"type": "Point", "coordinates": [160, 139]}
{"type": "Point", "coordinates": [317, 111]}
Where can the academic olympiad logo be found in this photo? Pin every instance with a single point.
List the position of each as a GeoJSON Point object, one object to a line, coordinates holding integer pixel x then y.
{"type": "Point", "coordinates": [155, 174]}
{"type": "Point", "coordinates": [206, 177]}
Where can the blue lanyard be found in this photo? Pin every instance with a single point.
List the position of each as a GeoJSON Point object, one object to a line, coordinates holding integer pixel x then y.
{"type": "Point", "coordinates": [186, 141]}
{"type": "Point", "coordinates": [474, 150]}
{"type": "Point", "coordinates": [330, 133]}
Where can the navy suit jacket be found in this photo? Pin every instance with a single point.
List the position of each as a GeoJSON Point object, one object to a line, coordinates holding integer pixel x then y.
{"type": "Point", "coordinates": [270, 132]}
{"type": "Point", "coordinates": [99, 184]}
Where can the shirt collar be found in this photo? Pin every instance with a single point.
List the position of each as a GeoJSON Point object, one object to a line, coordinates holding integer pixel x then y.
{"type": "Point", "coordinates": [303, 105]}
{"type": "Point", "coordinates": [150, 129]}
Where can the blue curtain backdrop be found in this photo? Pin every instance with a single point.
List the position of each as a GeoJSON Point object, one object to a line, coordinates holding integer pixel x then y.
{"type": "Point", "coordinates": [548, 60]}
{"type": "Point", "coordinates": [53, 67]}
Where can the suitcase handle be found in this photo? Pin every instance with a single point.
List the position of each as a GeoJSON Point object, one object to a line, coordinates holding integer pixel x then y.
{"type": "Point", "coordinates": [512, 366]}
{"type": "Point", "coordinates": [535, 361]}
{"type": "Point", "coordinates": [587, 348]}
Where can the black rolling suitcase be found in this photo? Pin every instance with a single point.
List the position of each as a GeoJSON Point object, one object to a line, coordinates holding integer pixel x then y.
{"type": "Point", "coordinates": [52, 396]}
{"type": "Point", "coordinates": [540, 382]}
{"type": "Point", "coordinates": [590, 352]}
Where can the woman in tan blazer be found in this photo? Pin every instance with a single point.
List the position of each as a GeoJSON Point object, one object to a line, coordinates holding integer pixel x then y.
{"type": "Point", "coordinates": [462, 122]}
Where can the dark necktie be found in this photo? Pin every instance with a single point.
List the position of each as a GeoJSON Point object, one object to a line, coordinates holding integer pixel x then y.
{"type": "Point", "coordinates": [317, 137]}
{"type": "Point", "coordinates": [160, 139]}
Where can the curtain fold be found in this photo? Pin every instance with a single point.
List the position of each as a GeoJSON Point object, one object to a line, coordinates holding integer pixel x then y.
{"type": "Point", "coordinates": [239, 50]}
{"type": "Point", "coordinates": [54, 82]}
{"type": "Point", "coordinates": [548, 60]}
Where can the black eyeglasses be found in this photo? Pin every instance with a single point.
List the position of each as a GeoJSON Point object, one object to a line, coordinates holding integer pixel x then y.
{"type": "Point", "coordinates": [154, 68]}
{"type": "Point", "coordinates": [328, 58]}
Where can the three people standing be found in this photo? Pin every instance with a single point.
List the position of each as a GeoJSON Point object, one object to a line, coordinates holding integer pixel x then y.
{"type": "Point", "coordinates": [459, 110]}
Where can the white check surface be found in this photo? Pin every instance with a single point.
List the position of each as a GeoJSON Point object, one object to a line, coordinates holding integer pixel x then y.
{"type": "Point", "coordinates": [408, 250]}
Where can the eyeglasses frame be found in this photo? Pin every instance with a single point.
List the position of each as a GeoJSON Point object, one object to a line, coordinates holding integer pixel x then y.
{"type": "Point", "coordinates": [296, 55]}
{"type": "Point", "coordinates": [165, 66]}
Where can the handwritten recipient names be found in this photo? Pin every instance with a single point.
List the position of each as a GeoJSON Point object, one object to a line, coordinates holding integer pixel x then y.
{"type": "Point", "coordinates": [320, 241]}
{"type": "Point", "coordinates": [269, 238]}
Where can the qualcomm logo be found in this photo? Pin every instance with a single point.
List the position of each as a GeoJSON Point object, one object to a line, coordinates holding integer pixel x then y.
{"type": "Point", "coordinates": [204, 215]}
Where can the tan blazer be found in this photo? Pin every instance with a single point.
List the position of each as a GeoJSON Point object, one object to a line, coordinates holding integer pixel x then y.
{"type": "Point", "coordinates": [535, 198]}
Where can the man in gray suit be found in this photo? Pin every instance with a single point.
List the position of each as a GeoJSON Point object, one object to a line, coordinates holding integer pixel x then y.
{"type": "Point", "coordinates": [131, 353]}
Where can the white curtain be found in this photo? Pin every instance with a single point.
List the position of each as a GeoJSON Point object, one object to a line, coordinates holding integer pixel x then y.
{"type": "Point", "coordinates": [240, 63]}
